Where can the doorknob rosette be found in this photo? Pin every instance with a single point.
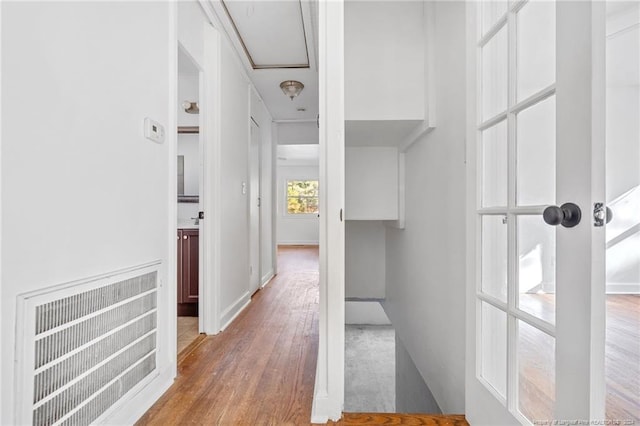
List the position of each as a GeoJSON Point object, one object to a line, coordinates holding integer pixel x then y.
{"type": "Point", "coordinates": [567, 215]}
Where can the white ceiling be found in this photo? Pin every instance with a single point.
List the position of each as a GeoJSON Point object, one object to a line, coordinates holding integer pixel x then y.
{"type": "Point", "coordinates": [276, 32]}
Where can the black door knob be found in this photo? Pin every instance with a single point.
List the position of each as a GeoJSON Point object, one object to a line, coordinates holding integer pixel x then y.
{"type": "Point", "coordinates": [567, 215]}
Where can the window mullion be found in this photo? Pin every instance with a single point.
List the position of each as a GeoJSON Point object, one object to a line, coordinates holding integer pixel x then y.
{"type": "Point", "coordinates": [512, 249]}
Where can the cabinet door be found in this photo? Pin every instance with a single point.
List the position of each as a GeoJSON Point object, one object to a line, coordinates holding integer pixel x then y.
{"type": "Point", "coordinates": [189, 266]}
{"type": "Point", "coordinates": [179, 269]}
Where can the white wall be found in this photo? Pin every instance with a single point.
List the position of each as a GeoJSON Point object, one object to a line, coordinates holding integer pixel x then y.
{"type": "Point", "coordinates": [371, 183]}
{"type": "Point", "coordinates": [623, 100]}
{"type": "Point", "coordinates": [188, 89]}
{"type": "Point", "coordinates": [83, 192]}
{"type": "Point", "coordinates": [425, 270]}
{"type": "Point", "coordinates": [384, 42]}
{"type": "Point", "coordinates": [623, 145]}
{"type": "Point", "coordinates": [188, 144]}
{"type": "Point", "coordinates": [412, 393]}
{"type": "Point", "coordinates": [365, 259]}
{"type": "Point", "coordinates": [234, 172]}
{"type": "Point", "coordinates": [261, 115]}
{"type": "Point", "coordinates": [298, 133]}
{"type": "Point", "coordinates": [189, 147]}
{"type": "Point", "coordinates": [236, 112]}
{"type": "Point", "coordinates": [191, 21]}
{"type": "Point", "coordinates": [295, 229]}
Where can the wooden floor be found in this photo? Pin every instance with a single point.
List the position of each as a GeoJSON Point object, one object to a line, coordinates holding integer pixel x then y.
{"type": "Point", "coordinates": [622, 361]}
{"type": "Point", "coordinates": [373, 419]}
{"type": "Point", "coordinates": [260, 370]}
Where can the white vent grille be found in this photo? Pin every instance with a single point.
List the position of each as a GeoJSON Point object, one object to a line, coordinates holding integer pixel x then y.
{"type": "Point", "coordinates": [85, 345]}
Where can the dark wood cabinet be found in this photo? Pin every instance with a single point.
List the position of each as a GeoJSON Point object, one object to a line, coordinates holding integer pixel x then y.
{"type": "Point", "coordinates": [188, 272]}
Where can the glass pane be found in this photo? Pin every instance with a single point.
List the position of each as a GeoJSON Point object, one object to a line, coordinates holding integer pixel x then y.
{"type": "Point", "coordinates": [494, 75]}
{"type": "Point", "coordinates": [622, 352]}
{"type": "Point", "coordinates": [536, 373]}
{"type": "Point", "coordinates": [492, 11]}
{"type": "Point", "coordinates": [494, 348]}
{"type": "Point", "coordinates": [536, 51]}
{"type": "Point", "coordinates": [537, 267]}
{"type": "Point", "coordinates": [494, 165]}
{"type": "Point", "coordinates": [302, 196]}
{"type": "Point", "coordinates": [536, 151]}
{"type": "Point", "coordinates": [494, 256]}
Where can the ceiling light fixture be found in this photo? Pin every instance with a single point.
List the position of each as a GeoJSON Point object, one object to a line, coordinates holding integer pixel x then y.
{"type": "Point", "coordinates": [291, 88]}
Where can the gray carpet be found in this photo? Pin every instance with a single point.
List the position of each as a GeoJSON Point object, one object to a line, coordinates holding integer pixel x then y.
{"type": "Point", "coordinates": [370, 369]}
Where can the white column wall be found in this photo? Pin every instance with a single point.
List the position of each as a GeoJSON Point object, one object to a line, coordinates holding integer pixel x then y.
{"type": "Point", "coordinates": [83, 192]}
{"type": "Point", "coordinates": [425, 269]}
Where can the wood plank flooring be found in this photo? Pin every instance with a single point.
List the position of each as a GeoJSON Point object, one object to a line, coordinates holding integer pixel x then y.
{"type": "Point", "coordinates": [622, 357]}
{"type": "Point", "coordinates": [622, 360]}
{"type": "Point", "coordinates": [372, 419]}
{"type": "Point", "coordinates": [260, 370]}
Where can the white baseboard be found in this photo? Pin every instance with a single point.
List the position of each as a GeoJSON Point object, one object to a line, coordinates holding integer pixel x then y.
{"type": "Point", "coordinates": [267, 277]}
{"type": "Point", "coordinates": [365, 312]}
{"type": "Point", "coordinates": [299, 243]}
{"type": "Point", "coordinates": [229, 314]}
{"type": "Point", "coordinates": [128, 411]}
{"type": "Point", "coordinates": [324, 409]}
{"type": "Point", "coordinates": [318, 411]}
{"type": "Point", "coordinates": [623, 288]}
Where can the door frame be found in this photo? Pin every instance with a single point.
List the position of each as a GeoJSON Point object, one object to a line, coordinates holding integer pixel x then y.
{"type": "Point", "coordinates": [254, 239]}
{"type": "Point", "coordinates": [202, 104]}
{"type": "Point", "coordinates": [580, 89]}
{"type": "Point", "coordinates": [210, 190]}
{"type": "Point", "coordinates": [328, 398]}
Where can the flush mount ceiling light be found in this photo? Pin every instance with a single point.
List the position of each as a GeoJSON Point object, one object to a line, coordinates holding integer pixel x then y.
{"type": "Point", "coordinates": [291, 88]}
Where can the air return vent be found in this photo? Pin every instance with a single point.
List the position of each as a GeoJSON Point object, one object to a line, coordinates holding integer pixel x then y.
{"type": "Point", "coordinates": [85, 345]}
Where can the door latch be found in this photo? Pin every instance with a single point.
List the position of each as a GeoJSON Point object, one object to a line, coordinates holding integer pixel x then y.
{"type": "Point", "coordinates": [601, 213]}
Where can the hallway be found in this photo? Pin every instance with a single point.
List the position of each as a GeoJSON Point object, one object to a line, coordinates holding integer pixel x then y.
{"type": "Point", "coordinates": [261, 369]}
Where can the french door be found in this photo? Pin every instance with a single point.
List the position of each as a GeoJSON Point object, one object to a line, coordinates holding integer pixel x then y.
{"type": "Point", "coordinates": [536, 300]}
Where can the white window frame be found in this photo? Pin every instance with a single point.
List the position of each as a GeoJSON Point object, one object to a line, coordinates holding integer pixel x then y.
{"type": "Point", "coordinates": [285, 208]}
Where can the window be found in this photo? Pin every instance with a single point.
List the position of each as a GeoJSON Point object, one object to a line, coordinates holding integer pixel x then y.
{"type": "Point", "coordinates": [302, 196]}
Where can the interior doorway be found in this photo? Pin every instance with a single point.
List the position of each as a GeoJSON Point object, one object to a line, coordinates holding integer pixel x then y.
{"type": "Point", "coordinates": [189, 189]}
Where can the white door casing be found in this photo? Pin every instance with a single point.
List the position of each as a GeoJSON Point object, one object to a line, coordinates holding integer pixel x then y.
{"type": "Point", "coordinates": [328, 399]}
{"type": "Point", "coordinates": [211, 184]}
{"type": "Point", "coordinates": [254, 207]}
{"type": "Point", "coordinates": [496, 349]}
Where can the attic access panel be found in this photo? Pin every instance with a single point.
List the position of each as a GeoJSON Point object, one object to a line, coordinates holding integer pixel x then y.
{"type": "Point", "coordinates": [272, 33]}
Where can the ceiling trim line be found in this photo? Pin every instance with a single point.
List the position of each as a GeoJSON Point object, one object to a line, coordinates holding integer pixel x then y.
{"type": "Point", "coordinates": [304, 33]}
{"type": "Point", "coordinates": [271, 67]}
{"type": "Point", "coordinates": [235, 28]}
{"type": "Point", "coordinates": [276, 66]}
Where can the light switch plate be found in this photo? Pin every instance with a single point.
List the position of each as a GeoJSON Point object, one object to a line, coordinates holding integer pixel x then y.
{"type": "Point", "coordinates": [153, 130]}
